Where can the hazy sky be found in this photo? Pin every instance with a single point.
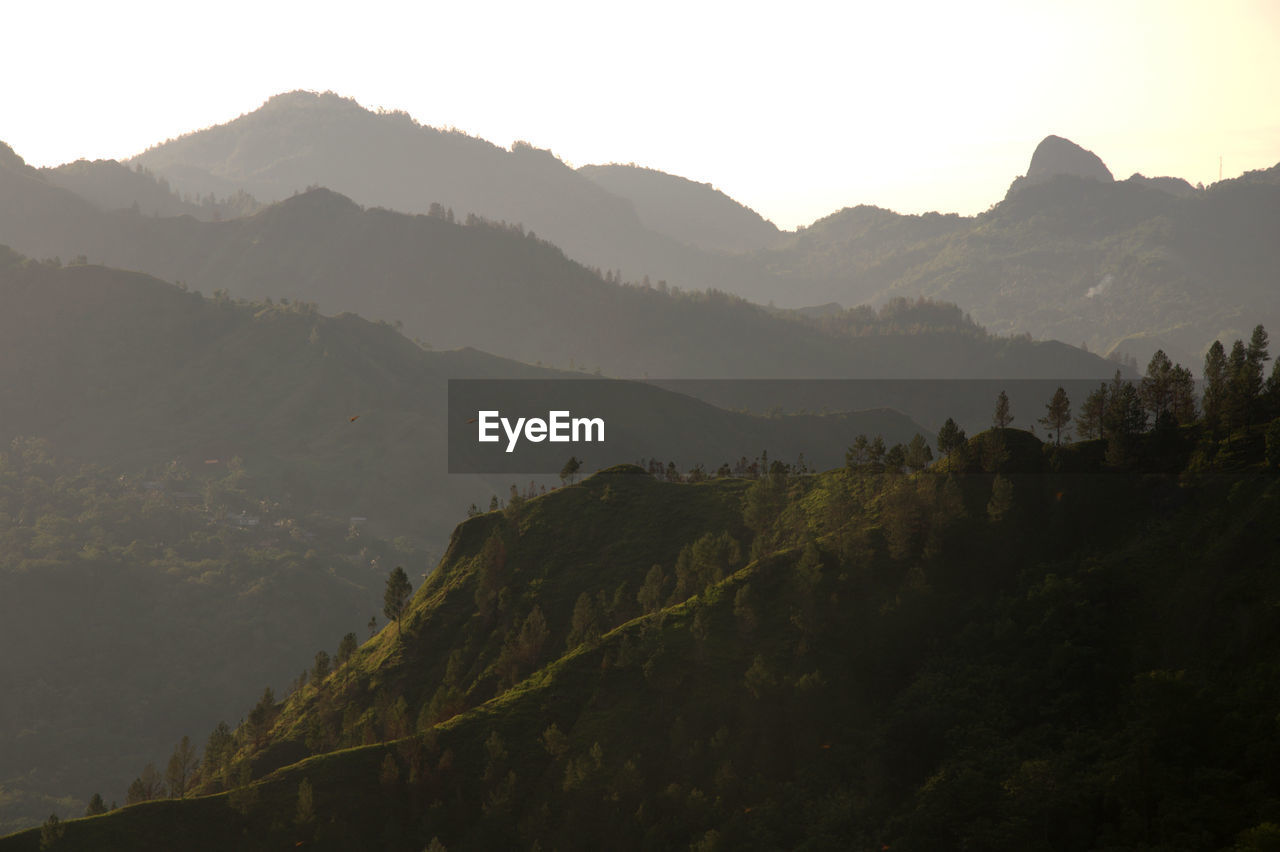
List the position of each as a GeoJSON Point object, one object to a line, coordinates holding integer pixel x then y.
{"type": "Point", "coordinates": [794, 109]}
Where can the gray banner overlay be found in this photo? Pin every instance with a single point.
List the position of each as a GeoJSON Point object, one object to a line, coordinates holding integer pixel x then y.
{"type": "Point", "coordinates": [533, 426]}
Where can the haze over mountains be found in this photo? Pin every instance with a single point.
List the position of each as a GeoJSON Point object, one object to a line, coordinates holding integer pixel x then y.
{"type": "Point", "coordinates": [1076, 256]}
{"type": "Point", "coordinates": [506, 292]}
{"type": "Point", "coordinates": [236, 517]}
{"type": "Point", "coordinates": [214, 486]}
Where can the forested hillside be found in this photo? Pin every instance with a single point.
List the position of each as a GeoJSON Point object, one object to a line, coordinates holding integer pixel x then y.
{"type": "Point", "coordinates": [1025, 645]}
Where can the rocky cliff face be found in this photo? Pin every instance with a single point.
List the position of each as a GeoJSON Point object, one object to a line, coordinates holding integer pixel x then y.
{"type": "Point", "coordinates": [1056, 156]}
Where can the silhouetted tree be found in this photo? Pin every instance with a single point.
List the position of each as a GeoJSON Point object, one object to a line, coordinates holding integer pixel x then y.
{"type": "Point", "coordinates": [1125, 419]}
{"type": "Point", "coordinates": [346, 648]}
{"type": "Point", "coordinates": [1215, 386]}
{"type": "Point", "coordinates": [1092, 413]}
{"type": "Point", "coordinates": [1002, 417]}
{"type": "Point", "coordinates": [1157, 386]}
{"type": "Point", "coordinates": [570, 469]}
{"type": "Point", "coordinates": [1057, 414]}
{"type": "Point", "coordinates": [1182, 395]}
{"type": "Point", "coordinates": [145, 787]}
{"type": "Point", "coordinates": [182, 763]}
{"type": "Point", "coordinates": [950, 438]}
{"type": "Point", "coordinates": [262, 716]}
{"type": "Point", "coordinates": [51, 832]}
{"type": "Point", "coordinates": [650, 595]}
{"type": "Point", "coordinates": [96, 806]}
{"type": "Point", "coordinates": [1237, 400]}
{"type": "Point", "coordinates": [321, 667]}
{"type": "Point", "coordinates": [396, 596]}
{"type": "Point", "coordinates": [919, 454]}
{"type": "Point", "coordinates": [217, 752]}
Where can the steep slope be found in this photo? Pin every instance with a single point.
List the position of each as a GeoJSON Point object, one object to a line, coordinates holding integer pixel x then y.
{"type": "Point", "coordinates": [695, 213]}
{"type": "Point", "coordinates": [853, 660]}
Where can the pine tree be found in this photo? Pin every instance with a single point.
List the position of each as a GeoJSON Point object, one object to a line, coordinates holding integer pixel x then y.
{"type": "Point", "coordinates": [1057, 414]}
{"type": "Point", "coordinates": [950, 439]}
{"type": "Point", "coordinates": [1238, 398]}
{"type": "Point", "coordinates": [217, 752]}
{"type": "Point", "coordinates": [396, 596]}
{"type": "Point", "coordinates": [895, 458]}
{"type": "Point", "coordinates": [1002, 416]}
{"type": "Point", "coordinates": [570, 469]}
{"type": "Point", "coordinates": [1215, 386]}
{"type": "Point", "coordinates": [320, 670]}
{"type": "Point", "coordinates": [182, 763]}
{"type": "Point", "coordinates": [346, 648]}
{"type": "Point", "coordinates": [1157, 385]}
{"type": "Point", "coordinates": [1253, 383]}
{"type": "Point", "coordinates": [1092, 413]}
{"type": "Point", "coordinates": [919, 454]}
{"type": "Point", "coordinates": [1182, 395]}
{"type": "Point", "coordinates": [96, 806]}
{"type": "Point", "coordinates": [51, 832]}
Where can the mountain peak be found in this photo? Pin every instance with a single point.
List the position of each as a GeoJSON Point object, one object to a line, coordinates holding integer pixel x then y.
{"type": "Point", "coordinates": [1058, 156]}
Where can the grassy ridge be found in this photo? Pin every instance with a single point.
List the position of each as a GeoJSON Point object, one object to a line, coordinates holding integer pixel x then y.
{"type": "Point", "coordinates": [911, 661]}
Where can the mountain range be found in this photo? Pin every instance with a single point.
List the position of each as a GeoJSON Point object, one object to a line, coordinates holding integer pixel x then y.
{"type": "Point", "coordinates": [506, 291]}
{"type": "Point", "coordinates": [1070, 253]}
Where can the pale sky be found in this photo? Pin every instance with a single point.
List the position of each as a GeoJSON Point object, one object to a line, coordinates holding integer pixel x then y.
{"type": "Point", "coordinates": [794, 109]}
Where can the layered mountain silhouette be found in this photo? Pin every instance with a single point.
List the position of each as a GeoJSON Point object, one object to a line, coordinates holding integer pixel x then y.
{"type": "Point", "coordinates": [1024, 266]}
{"type": "Point", "coordinates": [506, 291]}
{"type": "Point", "coordinates": [1070, 254]}
{"type": "Point", "coordinates": [386, 159]}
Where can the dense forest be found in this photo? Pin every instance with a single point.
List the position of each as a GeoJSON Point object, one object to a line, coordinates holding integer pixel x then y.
{"type": "Point", "coordinates": [1019, 644]}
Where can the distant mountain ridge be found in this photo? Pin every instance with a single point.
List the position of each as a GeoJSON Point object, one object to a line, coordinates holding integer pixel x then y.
{"type": "Point", "coordinates": [695, 213]}
{"type": "Point", "coordinates": [302, 139]}
{"type": "Point", "coordinates": [1072, 255]}
{"type": "Point", "coordinates": [500, 289]}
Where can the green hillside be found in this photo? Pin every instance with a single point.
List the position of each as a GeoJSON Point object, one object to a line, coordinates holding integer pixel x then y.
{"type": "Point", "coordinates": [252, 462]}
{"type": "Point", "coordinates": [1024, 646]}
